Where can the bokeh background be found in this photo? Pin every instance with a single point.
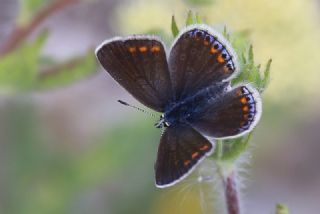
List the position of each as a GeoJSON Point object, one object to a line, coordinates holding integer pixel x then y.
{"type": "Point", "coordinates": [67, 146]}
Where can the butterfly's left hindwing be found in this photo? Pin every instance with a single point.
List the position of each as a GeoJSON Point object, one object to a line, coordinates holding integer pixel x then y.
{"type": "Point", "coordinates": [181, 149]}
{"type": "Point", "coordinates": [139, 64]}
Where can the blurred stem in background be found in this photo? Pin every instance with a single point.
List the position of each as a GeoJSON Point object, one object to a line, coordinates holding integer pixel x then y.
{"type": "Point", "coordinates": [25, 27]}
{"type": "Point", "coordinates": [23, 68]}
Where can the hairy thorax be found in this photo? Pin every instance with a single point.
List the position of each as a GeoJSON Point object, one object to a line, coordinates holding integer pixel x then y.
{"type": "Point", "coordinates": [187, 110]}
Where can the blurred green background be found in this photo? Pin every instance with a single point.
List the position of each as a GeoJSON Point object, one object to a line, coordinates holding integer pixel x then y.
{"type": "Point", "coordinates": [67, 146]}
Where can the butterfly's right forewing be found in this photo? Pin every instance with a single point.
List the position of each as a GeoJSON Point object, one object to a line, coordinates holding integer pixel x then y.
{"type": "Point", "coordinates": [139, 64]}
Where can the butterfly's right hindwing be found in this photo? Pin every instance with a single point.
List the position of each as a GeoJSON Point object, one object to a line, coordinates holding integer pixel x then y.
{"type": "Point", "coordinates": [181, 149]}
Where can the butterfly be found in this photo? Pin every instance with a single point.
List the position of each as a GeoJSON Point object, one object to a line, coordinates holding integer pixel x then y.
{"type": "Point", "coordinates": [190, 86]}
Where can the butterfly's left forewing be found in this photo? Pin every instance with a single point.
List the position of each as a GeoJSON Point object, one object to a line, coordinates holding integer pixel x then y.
{"type": "Point", "coordinates": [139, 64]}
{"type": "Point", "coordinates": [181, 149]}
{"type": "Point", "coordinates": [199, 58]}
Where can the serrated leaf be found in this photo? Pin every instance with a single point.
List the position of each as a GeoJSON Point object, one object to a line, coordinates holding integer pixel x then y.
{"type": "Point", "coordinates": [189, 20]}
{"type": "Point", "coordinates": [282, 209]}
{"type": "Point", "coordinates": [225, 33]}
{"type": "Point", "coordinates": [174, 27]}
{"type": "Point", "coordinates": [198, 19]}
{"type": "Point", "coordinates": [268, 66]}
{"type": "Point", "coordinates": [200, 2]}
{"type": "Point", "coordinates": [266, 72]}
{"type": "Point", "coordinates": [72, 71]}
{"type": "Point", "coordinates": [240, 41]}
{"type": "Point", "coordinates": [18, 70]}
{"type": "Point", "coordinates": [256, 75]}
{"type": "Point", "coordinates": [250, 55]}
{"type": "Point", "coordinates": [243, 59]}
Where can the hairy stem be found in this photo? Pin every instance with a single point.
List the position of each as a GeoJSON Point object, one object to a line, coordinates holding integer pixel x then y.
{"type": "Point", "coordinates": [231, 194]}
{"type": "Point", "coordinates": [20, 33]}
{"type": "Point", "coordinates": [227, 174]}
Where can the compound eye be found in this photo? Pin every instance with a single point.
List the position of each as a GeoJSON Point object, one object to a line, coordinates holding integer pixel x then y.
{"type": "Point", "coordinates": [161, 116]}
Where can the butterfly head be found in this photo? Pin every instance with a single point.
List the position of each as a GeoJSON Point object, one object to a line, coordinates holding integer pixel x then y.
{"type": "Point", "coordinates": [162, 122]}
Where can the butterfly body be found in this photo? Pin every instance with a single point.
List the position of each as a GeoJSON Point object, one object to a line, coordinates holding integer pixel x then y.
{"type": "Point", "coordinates": [190, 86]}
{"type": "Point", "coordinates": [186, 111]}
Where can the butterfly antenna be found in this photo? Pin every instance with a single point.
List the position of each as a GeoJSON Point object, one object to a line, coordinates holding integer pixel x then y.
{"type": "Point", "coordinates": [137, 108]}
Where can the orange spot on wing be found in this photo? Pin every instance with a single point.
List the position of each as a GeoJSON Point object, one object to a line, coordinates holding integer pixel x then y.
{"type": "Point", "coordinates": [132, 49]}
{"type": "Point", "coordinates": [143, 49]}
{"type": "Point", "coordinates": [205, 147]}
{"type": "Point", "coordinates": [220, 59]}
{"type": "Point", "coordinates": [243, 100]}
{"type": "Point", "coordinates": [187, 162]}
{"type": "Point", "coordinates": [245, 109]}
{"type": "Point", "coordinates": [206, 43]}
{"type": "Point", "coordinates": [155, 49]}
{"type": "Point", "coordinates": [213, 51]}
{"type": "Point", "coordinates": [194, 155]}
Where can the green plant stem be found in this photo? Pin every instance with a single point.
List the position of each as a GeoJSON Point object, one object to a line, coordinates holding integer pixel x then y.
{"type": "Point", "coordinates": [219, 149]}
{"type": "Point", "coordinates": [20, 33]}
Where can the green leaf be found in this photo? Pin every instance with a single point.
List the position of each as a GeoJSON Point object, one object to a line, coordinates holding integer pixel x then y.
{"type": "Point", "coordinates": [225, 33]}
{"type": "Point", "coordinates": [190, 18]}
{"type": "Point", "coordinates": [18, 70]}
{"type": "Point", "coordinates": [250, 55]}
{"type": "Point", "coordinates": [174, 27]}
{"type": "Point", "coordinates": [235, 147]}
{"type": "Point", "coordinates": [282, 209]}
{"type": "Point", "coordinates": [240, 41]}
{"type": "Point", "coordinates": [229, 150]}
{"type": "Point", "coordinates": [266, 79]}
{"type": "Point", "coordinates": [251, 73]}
{"type": "Point", "coordinates": [198, 19]}
{"type": "Point", "coordinates": [69, 72]}
{"type": "Point", "coordinates": [200, 2]}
